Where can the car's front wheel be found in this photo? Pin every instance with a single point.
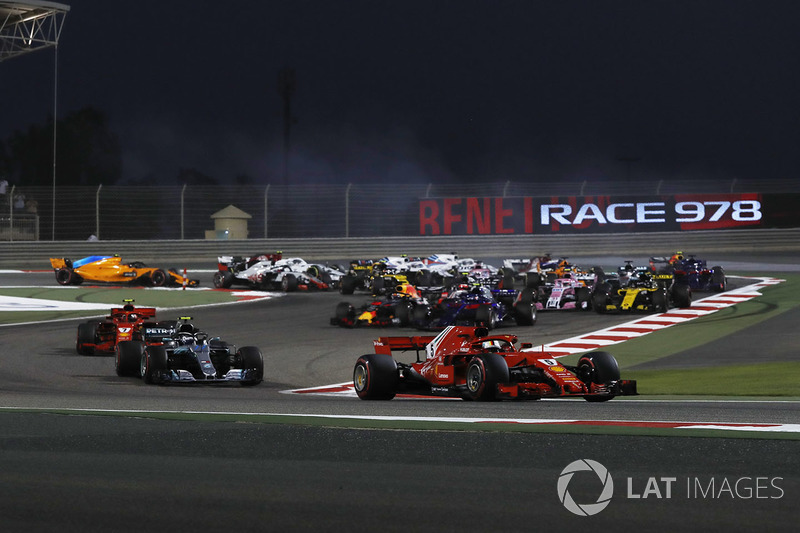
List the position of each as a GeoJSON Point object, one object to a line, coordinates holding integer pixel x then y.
{"type": "Point", "coordinates": [376, 377]}
{"type": "Point", "coordinates": [484, 373]}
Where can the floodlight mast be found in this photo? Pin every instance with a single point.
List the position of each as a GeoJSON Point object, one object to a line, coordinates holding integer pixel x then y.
{"type": "Point", "coordinates": [26, 27]}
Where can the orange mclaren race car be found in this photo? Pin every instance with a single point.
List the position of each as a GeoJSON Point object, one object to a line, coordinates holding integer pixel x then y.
{"type": "Point", "coordinates": [468, 362]}
{"type": "Point", "coordinates": [111, 269]}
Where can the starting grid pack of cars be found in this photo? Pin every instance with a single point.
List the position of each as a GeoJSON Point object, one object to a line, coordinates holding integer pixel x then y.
{"type": "Point", "coordinates": [462, 300]}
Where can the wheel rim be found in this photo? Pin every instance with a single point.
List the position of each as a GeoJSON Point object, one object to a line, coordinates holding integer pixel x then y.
{"type": "Point", "coordinates": [360, 378]}
{"type": "Point", "coordinates": [474, 378]}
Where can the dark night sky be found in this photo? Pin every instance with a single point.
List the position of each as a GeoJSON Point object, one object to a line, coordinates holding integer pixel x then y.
{"type": "Point", "coordinates": [431, 90]}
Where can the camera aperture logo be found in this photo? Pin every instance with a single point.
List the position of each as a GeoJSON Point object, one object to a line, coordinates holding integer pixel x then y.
{"type": "Point", "coordinates": [585, 509]}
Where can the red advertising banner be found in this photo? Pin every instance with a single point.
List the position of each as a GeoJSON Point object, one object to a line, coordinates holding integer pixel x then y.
{"type": "Point", "coordinates": [597, 214]}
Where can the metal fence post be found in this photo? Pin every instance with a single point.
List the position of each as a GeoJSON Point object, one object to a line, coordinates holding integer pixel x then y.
{"type": "Point", "coordinates": [97, 212]}
{"type": "Point", "coordinates": [11, 214]}
{"type": "Point", "coordinates": [505, 188]}
{"type": "Point", "coordinates": [347, 210]}
{"type": "Point", "coordinates": [183, 190]}
{"type": "Point", "coordinates": [266, 211]}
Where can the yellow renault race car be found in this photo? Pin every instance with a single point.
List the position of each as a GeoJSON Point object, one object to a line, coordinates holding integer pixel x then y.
{"type": "Point", "coordinates": [111, 269]}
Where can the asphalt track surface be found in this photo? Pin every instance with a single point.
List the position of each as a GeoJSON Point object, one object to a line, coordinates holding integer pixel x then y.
{"type": "Point", "coordinates": [90, 473]}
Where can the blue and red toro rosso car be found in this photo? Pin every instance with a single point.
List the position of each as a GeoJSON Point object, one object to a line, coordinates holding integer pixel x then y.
{"type": "Point", "coordinates": [477, 305]}
{"type": "Point", "coordinates": [691, 271]}
{"type": "Point", "coordinates": [469, 363]}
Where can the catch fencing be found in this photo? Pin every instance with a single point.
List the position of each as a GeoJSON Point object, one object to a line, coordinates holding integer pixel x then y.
{"type": "Point", "coordinates": [313, 210]}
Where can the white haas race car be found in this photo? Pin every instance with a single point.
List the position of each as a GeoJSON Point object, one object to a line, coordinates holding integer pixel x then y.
{"type": "Point", "coordinates": [273, 272]}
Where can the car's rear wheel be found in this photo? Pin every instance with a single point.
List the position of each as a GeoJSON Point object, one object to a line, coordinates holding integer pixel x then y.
{"type": "Point", "coordinates": [65, 276]}
{"type": "Point", "coordinates": [223, 279]}
{"type": "Point", "coordinates": [484, 373]}
{"type": "Point", "coordinates": [87, 335]}
{"type": "Point", "coordinates": [345, 314]}
{"type": "Point", "coordinates": [403, 311]}
{"type": "Point", "coordinates": [682, 295]}
{"type": "Point", "coordinates": [250, 358]}
{"type": "Point", "coordinates": [718, 281]}
{"type": "Point", "coordinates": [154, 364]}
{"type": "Point", "coordinates": [600, 301]}
{"type": "Point", "coordinates": [486, 316]}
{"type": "Point", "coordinates": [660, 301]}
{"type": "Point", "coordinates": [128, 357]}
{"type": "Point", "coordinates": [525, 311]}
{"type": "Point", "coordinates": [158, 278]}
{"type": "Point", "coordinates": [375, 377]}
{"type": "Point", "coordinates": [289, 283]}
{"type": "Point", "coordinates": [599, 368]}
{"type": "Point", "coordinates": [347, 285]}
{"type": "Point", "coordinates": [583, 299]}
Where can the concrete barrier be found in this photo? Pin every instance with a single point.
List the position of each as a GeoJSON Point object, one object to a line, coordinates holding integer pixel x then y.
{"type": "Point", "coordinates": [34, 255]}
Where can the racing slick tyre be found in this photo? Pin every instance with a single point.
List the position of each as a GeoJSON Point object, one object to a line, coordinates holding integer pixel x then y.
{"type": "Point", "coordinates": [289, 283]}
{"type": "Point", "coordinates": [375, 377]}
{"type": "Point", "coordinates": [65, 276]}
{"type": "Point", "coordinates": [378, 286]}
{"type": "Point", "coordinates": [424, 278]}
{"type": "Point", "coordinates": [403, 311]}
{"type": "Point", "coordinates": [533, 280]}
{"type": "Point", "coordinates": [345, 314]}
{"type": "Point", "coordinates": [718, 281]}
{"type": "Point", "coordinates": [158, 278]}
{"type": "Point", "coordinates": [348, 285]}
{"type": "Point", "coordinates": [223, 279]}
{"type": "Point", "coordinates": [486, 316]}
{"type": "Point", "coordinates": [583, 299]}
{"type": "Point", "coordinates": [508, 278]}
{"type": "Point", "coordinates": [250, 358]}
{"type": "Point", "coordinates": [660, 301]}
{"type": "Point", "coordinates": [128, 357]}
{"type": "Point", "coordinates": [525, 309]}
{"type": "Point", "coordinates": [681, 295]}
{"type": "Point", "coordinates": [422, 315]}
{"type": "Point", "coordinates": [484, 373]}
{"type": "Point", "coordinates": [87, 334]}
{"type": "Point", "coordinates": [153, 364]}
{"type": "Point", "coordinates": [599, 368]}
{"type": "Point", "coordinates": [600, 300]}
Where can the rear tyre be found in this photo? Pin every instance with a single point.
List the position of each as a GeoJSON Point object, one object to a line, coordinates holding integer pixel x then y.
{"type": "Point", "coordinates": [87, 334]}
{"type": "Point", "coordinates": [486, 316]}
{"type": "Point", "coordinates": [599, 368]}
{"type": "Point", "coordinates": [682, 295]}
{"type": "Point", "coordinates": [484, 373]}
{"type": "Point", "coordinates": [403, 311]}
{"type": "Point", "coordinates": [153, 364]}
{"type": "Point", "coordinates": [250, 358]}
{"type": "Point", "coordinates": [718, 281]}
{"type": "Point", "coordinates": [223, 279]}
{"type": "Point", "coordinates": [65, 276]}
{"type": "Point", "coordinates": [583, 299]}
{"type": "Point", "coordinates": [158, 278]}
{"type": "Point", "coordinates": [375, 377]}
{"type": "Point", "coordinates": [348, 285]}
{"type": "Point", "coordinates": [289, 283]}
{"type": "Point", "coordinates": [127, 358]}
{"type": "Point", "coordinates": [660, 302]}
{"type": "Point", "coordinates": [600, 301]}
{"type": "Point", "coordinates": [525, 310]}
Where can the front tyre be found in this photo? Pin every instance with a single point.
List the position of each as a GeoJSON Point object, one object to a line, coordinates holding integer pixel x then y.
{"type": "Point", "coordinates": [154, 364]}
{"type": "Point", "coordinates": [251, 359]}
{"type": "Point", "coordinates": [484, 373]}
{"type": "Point", "coordinates": [599, 368]}
{"type": "Point", "coordinates": [376, 377]}
{"type": "Point", "coordinates": [127, 358]}
{"type": "Point", "coordinates": [87, 335]}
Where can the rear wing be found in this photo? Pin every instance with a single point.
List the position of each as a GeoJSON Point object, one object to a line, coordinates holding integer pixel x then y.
{"type": "Point", "coordinates": [387, 345]}
{"type": "Point", "coordinates": [144, 312]}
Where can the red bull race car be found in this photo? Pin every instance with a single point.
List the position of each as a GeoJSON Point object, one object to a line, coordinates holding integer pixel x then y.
{"type": "Point", "coordinates": [469, 363]}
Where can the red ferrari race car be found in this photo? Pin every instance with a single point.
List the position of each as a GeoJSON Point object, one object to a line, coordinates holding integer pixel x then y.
{"type": "Point", "coordinates": [467, 362]}
{"type": "Point", "coordinates": [122, 324]}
